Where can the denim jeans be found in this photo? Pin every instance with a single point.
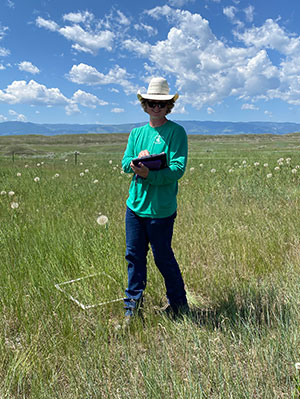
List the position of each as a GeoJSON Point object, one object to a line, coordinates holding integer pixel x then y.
{"type": "Point", "coordinates": [140, 231]}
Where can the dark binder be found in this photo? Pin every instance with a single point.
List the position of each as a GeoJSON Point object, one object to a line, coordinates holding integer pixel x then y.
{"type": "Point", "coordinates": [153, 162]}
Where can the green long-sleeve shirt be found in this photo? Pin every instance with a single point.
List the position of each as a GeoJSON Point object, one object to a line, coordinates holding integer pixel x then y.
{"type": "Point", "coordinates": [155, 196]}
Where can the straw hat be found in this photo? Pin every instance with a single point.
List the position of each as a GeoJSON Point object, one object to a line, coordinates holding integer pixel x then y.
{"type": "Point", "coordinates": [158, 89]}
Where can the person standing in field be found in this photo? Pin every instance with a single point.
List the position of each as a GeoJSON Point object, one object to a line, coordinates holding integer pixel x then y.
{"type": "Point", "coordinates": [151, 205]}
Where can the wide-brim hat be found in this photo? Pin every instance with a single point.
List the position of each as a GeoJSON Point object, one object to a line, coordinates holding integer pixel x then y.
{"type": "Point", "coordinates": [158, 89]}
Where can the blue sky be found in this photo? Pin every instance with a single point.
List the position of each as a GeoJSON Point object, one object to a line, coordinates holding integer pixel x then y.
{"type": "Point", "coordinates": [83, 61]}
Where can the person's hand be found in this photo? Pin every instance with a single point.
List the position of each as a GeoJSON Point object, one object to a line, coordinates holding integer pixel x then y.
{"type": "Point", "coordinates": [140, 170]}
{"type": "Point", "coordinates": [143, 153]}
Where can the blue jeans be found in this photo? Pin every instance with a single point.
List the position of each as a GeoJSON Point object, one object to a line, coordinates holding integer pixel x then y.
{"type": "Point", "coordinates": [140, 231]}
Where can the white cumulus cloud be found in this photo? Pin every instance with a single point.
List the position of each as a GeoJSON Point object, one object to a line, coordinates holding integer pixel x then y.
{"type": "Point", "coordinates": [87, 99]}
{"type": "Point", "coordinates": [86, 37]}
{"type": "Point", "coordinates": [208, 70]}
{"type": "Point", "coordinates": [27, 66]}
{"type": "Point", "coordinates": [86, 74]}
{"type": "Point", "coordinates": [21, 92]}
{"type": "Point", "coordinates": [16, 116]}
{"type": "Point", "coordinates": [47, 24]}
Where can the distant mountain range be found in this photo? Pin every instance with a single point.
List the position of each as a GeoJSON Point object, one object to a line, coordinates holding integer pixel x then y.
{"type": "Point", "coordinates": [191, 127]}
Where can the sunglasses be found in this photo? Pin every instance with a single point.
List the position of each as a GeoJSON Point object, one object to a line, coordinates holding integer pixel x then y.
{"type": "Point", "coordinates": [158, 104]}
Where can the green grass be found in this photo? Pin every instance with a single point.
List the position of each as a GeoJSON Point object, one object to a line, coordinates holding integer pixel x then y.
{"type": "Point", "coordinates": [236, 238]}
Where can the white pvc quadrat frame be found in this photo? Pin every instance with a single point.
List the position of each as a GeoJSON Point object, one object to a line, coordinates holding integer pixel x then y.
{"type": "Point", "coordinates": [80, 304]}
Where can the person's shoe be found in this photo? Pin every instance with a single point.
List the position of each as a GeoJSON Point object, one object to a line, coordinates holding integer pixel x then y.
{"type": "Point", "coordinates": [175, 311]}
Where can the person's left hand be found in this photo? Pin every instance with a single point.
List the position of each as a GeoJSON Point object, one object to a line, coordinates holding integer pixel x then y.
{"type": "Point", "coordinates": [140, 170]}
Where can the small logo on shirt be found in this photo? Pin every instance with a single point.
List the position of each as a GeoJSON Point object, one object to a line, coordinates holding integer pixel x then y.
{"type": "Point", "coordinates": [157, 139]}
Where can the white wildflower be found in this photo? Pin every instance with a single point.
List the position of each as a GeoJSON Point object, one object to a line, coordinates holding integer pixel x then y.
{"type": "Point", "coordinates": [56, 175]}
{"type": "Point", "coordinates": [297, 365]}
{"type": "Point", "coordinates": [288, 160]}
{"type": "Point", "coordinates": [201, 165]}
{"type": "Point", "coordinates": [256, 163]}
{"type": "Point", "coordinates": [110, 161]}
{"type": "Point", "coordinates": [231, 170]}
{"type": "Point", "coordinates": [122, 172]}
{"type": "Point", "coordinates": [244, 162]}
{"type": "Point", "coordinates": [26, 166]}
{"type": "Point", "coordinates": [280, 160]}
{"type": "Point", "coordinates": [96, 181]}
{"type": "Point", "coordinates": [14, 205]}
{"type": "Point", "coordinates": [102, 220]}
{"type": "Point", "coordinates": [213, 170]}
{"type": "Point", "coordinates": [114, 168]}
{"type": "Point", "coordinates": [297, 166]}
{"type": "Point", "coordinates": [66, 160]}
{"type": "Point", "coordinates": [11, 193]}
{"type": "Point", "coordinates": [269, 175]}
{"type": "Point", "coordinates": [192, 170]}
{"type": "Point", "coordinates": [86, 171]}
{"type": "Point", "coordinates": [3, 192]}
{"type": "Point", "coordinates": [19, 174]}
{"type": "Point", "coordinates": [36, 179]}
{"type": "Point", "coordinates": [294, 171]}
{"type": "Point", "coordinates": [266, 165]}
{"type": "Point", "coordinates": [38, 164]}
{"type": "Point", "coordinates": [81, 174]}
{"type": "Point", "coordinates": [277, 168]}
{"type": "Point", "coordinates": [81, 163]}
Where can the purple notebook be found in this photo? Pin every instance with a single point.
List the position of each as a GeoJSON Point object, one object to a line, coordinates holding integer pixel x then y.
{"type": "Point", "coordinates": [153, 162]}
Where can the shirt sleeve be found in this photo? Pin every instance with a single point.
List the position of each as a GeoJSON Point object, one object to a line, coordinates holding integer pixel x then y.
{"type": "Point", "coordinates": [177, 162]}
{"type": "Point", "coordinates": [129, 154]}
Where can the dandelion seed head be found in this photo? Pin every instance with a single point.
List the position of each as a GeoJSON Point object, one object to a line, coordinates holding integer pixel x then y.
{"type": "Point", "coordinates": [38, 164]}
{"type": "Point", "coordinates": [266, 165]}
{"type": "Point", "coordinates": [269, 175]}
{"type": "Point", "coordinates": [86, 171]}
{"type": "Point", "coordinates": [3, 192]}
{"type": "Point", "coordinates": [11, 193]}
{"type": "Point", "coordinates": [256, 163]}
{"type": "Point", "coordinates": [110, 161]}
{"type": "Point", "coordinates": [244, 162]}
{"type": "Point", "coordinates": [36, 179]}
{"type": "Point", "coordinates": [213, 170]}
{"type": "Point", "coordinates": [192, 170]}
{"type": "Point", "coordinates": [19, 174]}
{"type": "Point", "coordinates": [96, 181]}
{"type": "Point", "coordinates": [81, 163]}
{"type": "Point", "coordinates": [102, 220]}
{"type": "Point", "coordinates": [14, 205]}
{"type": "Point", "coordinates": [277, 168]}
{"type": "Point", "coordinates": [81, 174]}
{"type": "Point", "coordinates": [294, 171]}
{"type": "Point", "coordinates": [56, 175]}
{"type": "Point", "coordinates": [297, 365]}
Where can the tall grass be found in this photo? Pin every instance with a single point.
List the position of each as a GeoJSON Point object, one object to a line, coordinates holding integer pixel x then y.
{"type": "Point", "coordinates": [236, 238]}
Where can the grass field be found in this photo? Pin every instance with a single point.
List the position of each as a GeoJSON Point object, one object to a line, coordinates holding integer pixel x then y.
{"type": "Point", "coordinates": [237, 239]}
